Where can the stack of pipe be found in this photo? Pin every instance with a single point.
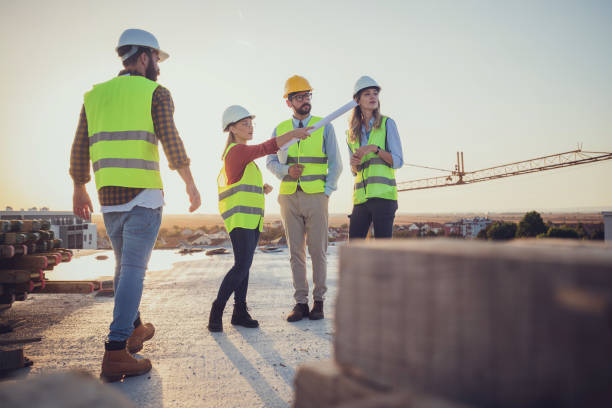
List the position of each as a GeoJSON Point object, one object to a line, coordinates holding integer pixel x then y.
{"type": "Point", "coordinates": [28, 248]}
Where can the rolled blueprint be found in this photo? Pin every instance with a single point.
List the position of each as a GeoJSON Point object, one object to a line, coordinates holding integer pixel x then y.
{"type": "Point", "coordinates": [283, 151]}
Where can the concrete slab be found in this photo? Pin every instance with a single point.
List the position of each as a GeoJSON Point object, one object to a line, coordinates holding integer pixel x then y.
{"type": "Point", "coordinates": [191, 367]}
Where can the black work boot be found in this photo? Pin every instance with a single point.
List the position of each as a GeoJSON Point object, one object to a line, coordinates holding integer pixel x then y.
{"type": "Point", "coordinates": [300, 311]}
{"type": "Point", "coordinates": [241, 316]}
{"type": "Point", "coordinates": [215, 320]}
{"type": "Point", "coordinates": [317, 310]}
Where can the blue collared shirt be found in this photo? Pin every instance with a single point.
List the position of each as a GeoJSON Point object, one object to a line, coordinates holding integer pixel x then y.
{"type": "Point", "coordinates": [394, 144]}
{"type": "Point", "coordinates": [330, 148]}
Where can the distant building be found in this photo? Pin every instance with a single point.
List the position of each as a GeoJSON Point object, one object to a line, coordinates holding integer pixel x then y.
{"type": "Point", "coordinates": [467, 227]}
{"type": "Point", "coordinates": [74, 232]}
{"type": "Point", "coordinates": [607, 215]}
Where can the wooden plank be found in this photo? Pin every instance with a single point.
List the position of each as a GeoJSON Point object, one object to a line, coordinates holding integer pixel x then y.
{"type": "Point", "coordinates": [67, 287]}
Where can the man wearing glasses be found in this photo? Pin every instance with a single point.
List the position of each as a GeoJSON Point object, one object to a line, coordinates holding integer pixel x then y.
{"type": "Point", "coordinates": [308, 178]}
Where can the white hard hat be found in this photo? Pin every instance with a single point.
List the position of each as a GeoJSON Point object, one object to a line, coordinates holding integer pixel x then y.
{"type": "Point", "coordinates": [136, 37]}
{"type": "Point", "coordinates": [363, 83]}
{"type": "Point", "coordinates": [233, 114]}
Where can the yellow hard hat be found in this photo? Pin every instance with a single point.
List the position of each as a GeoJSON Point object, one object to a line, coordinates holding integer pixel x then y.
{"type": "Point", "coordinates": [296, 84]}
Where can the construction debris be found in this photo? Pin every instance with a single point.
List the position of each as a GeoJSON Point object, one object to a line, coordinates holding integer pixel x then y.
{"type": "Point", "coordinates": [217, 251]}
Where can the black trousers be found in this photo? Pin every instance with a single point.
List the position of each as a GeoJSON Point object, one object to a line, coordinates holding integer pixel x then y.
{"type": "Point", "coordinates": [244, 243]}
{"type": "Point", "coordinates": [379, 211]}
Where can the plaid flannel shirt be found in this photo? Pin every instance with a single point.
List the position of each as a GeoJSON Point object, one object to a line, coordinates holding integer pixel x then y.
{"type": "Point", "coordinates": [162, 111]}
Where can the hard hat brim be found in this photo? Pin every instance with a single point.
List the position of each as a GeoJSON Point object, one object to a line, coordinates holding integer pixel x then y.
{"type": "Point", "coordinates": [301, 90]}
{"type": "Point", "coordinates": [236, 121]}
{"type": "Point", "coordinates": [366, 87]}
{"type": "Point", "coordinates": [163, 55]}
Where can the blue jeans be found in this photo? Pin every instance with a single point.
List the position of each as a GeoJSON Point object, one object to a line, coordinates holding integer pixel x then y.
{"type": "Point", "coordinates": [133, 235]}
{"type": "Point", "coordinates": [244, 243]}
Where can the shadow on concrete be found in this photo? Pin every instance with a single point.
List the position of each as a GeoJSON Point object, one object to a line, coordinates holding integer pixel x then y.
{"type": "Point", "coordinates": [320, 328]}
{"type": "Point", "coordinates": [263, 344]}
{"type": "Point", "coordinates": [144, 390]}
{"type": "Point", "coordinates": [260, 385]}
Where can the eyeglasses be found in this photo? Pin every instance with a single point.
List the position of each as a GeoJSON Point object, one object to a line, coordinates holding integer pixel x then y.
{"type": "Point", "coordinates": [301, 97]}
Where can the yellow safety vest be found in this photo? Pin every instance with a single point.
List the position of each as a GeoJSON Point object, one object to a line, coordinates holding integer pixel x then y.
{"type": "Point", "coordinates": [308, 152]}
{"type": "Point", "coordinates": [375, 178]}
{"type": "Point", "coordinates": [122, 141]}
{"type": "Point", "coordinates": [241, 204]}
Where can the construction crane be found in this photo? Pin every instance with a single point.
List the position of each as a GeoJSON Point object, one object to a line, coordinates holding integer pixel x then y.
{"type": "Point", "coordinates": [459, 176]}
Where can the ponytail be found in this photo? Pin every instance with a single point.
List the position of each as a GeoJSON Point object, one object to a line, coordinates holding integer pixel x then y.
{"type": "Point", "coordinates": [230, 139]}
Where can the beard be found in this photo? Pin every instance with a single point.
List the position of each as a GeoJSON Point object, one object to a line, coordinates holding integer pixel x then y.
{"type": "Point", "coordinates": [151, 73]}
{"type": "Point", "coordinates": [304, 109]}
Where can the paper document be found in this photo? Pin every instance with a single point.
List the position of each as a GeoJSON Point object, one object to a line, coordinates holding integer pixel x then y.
{"type": "Point", "coordinates": [282, 152]}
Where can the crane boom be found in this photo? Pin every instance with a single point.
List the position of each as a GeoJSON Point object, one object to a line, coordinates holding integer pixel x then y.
{"type": "Point", "coordinates": [460, 176]}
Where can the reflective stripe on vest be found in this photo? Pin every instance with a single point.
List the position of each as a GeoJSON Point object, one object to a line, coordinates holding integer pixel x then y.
{"type": "Point", "coordinates": [375, 178]}
{"type": "Point", "coordinates": [308, 152]}
{"type": "Point", "coordinates": [241, 204]}
{"type": "Point", "coordinates": [122, 141]}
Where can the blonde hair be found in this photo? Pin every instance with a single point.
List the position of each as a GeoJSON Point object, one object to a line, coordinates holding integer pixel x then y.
{"type": "Point", "coordinates": [357, 119]}
{"type": "Point", "coordinates": [230, 139]}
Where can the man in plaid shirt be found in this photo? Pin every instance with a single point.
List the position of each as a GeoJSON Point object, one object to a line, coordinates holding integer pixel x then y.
{"type": "Point", "coordinates": [121, 123]}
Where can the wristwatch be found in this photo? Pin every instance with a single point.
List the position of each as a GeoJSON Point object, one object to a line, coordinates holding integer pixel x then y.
{"type": "Point", "coordinates": [377, 149]}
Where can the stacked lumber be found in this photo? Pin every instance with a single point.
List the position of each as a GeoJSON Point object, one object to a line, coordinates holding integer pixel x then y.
{"type": "Point", "coordinates": [28, 248]}
{"type": "Point", "coordinates": [525, 324]}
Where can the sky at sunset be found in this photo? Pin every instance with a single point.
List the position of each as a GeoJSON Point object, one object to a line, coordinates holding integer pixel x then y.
{"type": "Point", "coordinates": [500, 81]}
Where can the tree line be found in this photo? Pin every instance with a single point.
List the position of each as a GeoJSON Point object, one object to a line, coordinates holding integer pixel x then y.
{"type": "Point", "coordinates": [532, 225]}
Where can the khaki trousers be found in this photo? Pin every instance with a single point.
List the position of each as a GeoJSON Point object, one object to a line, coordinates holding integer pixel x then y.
{"type": "Point", "coordinates": [305, 219]}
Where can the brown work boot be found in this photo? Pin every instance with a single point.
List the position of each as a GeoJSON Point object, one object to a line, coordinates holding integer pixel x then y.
{"type": "Point", "coordinates": [140, 334]}
{"type": "Point", "coordinates": [300, 311]}
{"type": "Point", "coordinates": [118, 364]}
{"type": "Point", "coordinates": [317, 310]}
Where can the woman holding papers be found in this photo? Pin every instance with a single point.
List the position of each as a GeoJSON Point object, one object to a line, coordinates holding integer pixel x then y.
{"type": "Point", "coordinates": [241, 203]}
{"type": "Point", "coordinates": [376, 151]}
